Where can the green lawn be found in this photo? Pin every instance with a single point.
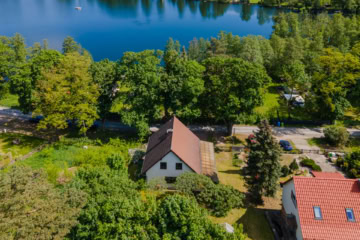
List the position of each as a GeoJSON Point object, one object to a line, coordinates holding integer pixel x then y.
{"type": "Point", "coordinates": [271, 102]}
{"type": "Point", "coordinates": [26, 144]}
{"type": "Point", "coordinates": [9, 100]}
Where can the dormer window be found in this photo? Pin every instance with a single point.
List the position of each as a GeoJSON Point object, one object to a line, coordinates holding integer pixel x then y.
{"type": "Point", "coordinates": [350, 214]}
{"type": "Point", "coordinates": [317, 213]}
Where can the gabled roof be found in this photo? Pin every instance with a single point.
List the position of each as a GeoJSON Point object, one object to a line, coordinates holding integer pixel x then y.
{"type": "Point", "coordinates": [333, 196]}
{"type": "Point", "coordinates": [174, 137]}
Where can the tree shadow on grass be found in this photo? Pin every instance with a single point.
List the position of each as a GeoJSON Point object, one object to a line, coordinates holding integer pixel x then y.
{"type": "Point", "coordinates": [24, 141]}
{"type": "Point", "coordinates": [255, 224]}
{"type": "Point", "coordinates": [238, 172]}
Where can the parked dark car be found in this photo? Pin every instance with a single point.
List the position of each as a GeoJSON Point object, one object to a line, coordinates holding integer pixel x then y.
{"type": "Point", "coordinates": [286, 145]}
{"type": "Point", "coordinates": [36, 119]}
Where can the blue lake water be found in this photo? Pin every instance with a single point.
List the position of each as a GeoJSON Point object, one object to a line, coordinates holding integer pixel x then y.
{"type": "Point", "coordinates": [107, 28]}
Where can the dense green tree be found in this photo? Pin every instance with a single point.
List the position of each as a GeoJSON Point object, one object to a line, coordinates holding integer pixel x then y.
{"type": "Point", "coordinates": [181, 85]}
{"type": "Point", "coordinates": [138, 101]}
{"type": "Point", "coordinates": [18, 45]}
{"type": "Point", "coordinates": [103, 74]}
{"type": "Point", "coordinates": [24, 80]}
{"type": "Point", "coordinates": [263, 170]}
{"type": "Point", "coordinates": [251, 50]}
{"type": "Point", "coordinates": [66, 92]}
{"type": "Point", "coordinates": [337, 73]}
{"type": "Point", "coordinates": [7, 59]}
{"type": "Point", "coordinates": [69, 46]}
{"type": "Point", "coordinates": [32, 208]}
{"type": "Point", "coordinates": [198, 49]}
{"type": "Point", "coordinates": [232, 88]}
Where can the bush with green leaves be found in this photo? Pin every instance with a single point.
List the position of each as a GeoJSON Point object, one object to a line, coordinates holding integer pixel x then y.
{"type": "Point", "coordinates": [285, 171]}
{"type": "Point", "coordinates": [179, 217]}
{"type": "Point", "coordinates": [336, 135]}
{"type": "Point", "coordinates": [350, 164]}
{"type": "Point", "coordinates": [114, 209]}
{"type": "Point", "coordinates": [219, 199]}
{"type": "Point", "coordinates": [294, 166]}
{"type": "Point", "coordinates": [307, 162]}
{"type": "Point", "coordinates": [157, 183]}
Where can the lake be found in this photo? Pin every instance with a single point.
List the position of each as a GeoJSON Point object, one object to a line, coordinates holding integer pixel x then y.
{"type": "Point", "coordinates": [107, 28]}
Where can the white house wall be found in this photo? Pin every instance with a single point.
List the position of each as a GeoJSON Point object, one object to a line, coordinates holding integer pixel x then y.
{"type": "Point", "coordinates": [289, 206]}
{"type": "Point", "coordinates": [171, 159]}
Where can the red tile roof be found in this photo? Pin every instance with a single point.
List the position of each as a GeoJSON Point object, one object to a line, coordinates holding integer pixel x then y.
{"type": "Point", "coordinates": [332, 195]}
{"type": "Point", "coordinates": [327, 174]}
{"type": "Point", "coordinates": [173, 136]}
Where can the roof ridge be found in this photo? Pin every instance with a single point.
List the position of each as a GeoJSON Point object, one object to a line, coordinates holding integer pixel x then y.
{"type": "Point", "coordinates": [326, 178]}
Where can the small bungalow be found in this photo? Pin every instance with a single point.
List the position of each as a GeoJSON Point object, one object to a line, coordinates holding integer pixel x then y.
{"type": "Point", "coordinates": [174, 149]}
{"type": "Point", "coordinates": [326, 206]}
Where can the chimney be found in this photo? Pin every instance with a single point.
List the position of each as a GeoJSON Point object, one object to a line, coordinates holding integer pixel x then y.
{"type": "Point", "coordinates": [170, 130]}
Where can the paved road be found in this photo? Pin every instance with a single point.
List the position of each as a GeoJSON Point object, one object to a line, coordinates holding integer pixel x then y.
{"type": "Point", "coordinates": [8, 114]}
{"type": "Point", "coordinates": [291, 131]}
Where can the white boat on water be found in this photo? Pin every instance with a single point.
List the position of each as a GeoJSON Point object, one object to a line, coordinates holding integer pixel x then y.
{"type": "Point", "coordinates": [78, 8]}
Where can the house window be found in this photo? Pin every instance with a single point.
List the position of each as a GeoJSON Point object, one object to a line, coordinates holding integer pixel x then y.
{"type": "Point", "coordinates": [350, 214]}
{"type": "Point", "coordinates": [170, 179]}
{"type": "Point", "coordinates": [178, 166]}
{"type": "Point", "coordinates": [293, 198]}
{"type": "Point", "coordinates": [163, 165]}
{"type": "Point", "coordinates": [317, 213]}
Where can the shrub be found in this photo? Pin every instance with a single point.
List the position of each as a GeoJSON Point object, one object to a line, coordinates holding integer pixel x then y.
{"type": "Point", "coordinates": [294, 166]}
{"type": "Point", "coordinates": [350, 164]}
{"type": "Point", "coordinates": [285, 171]}
{"type": "Point", "coordinates": [236, 161]}
{"type": "Point", "coordinates": [219, 199]}
{"type": "Point", "coordinates": [339, 162]}
{"type": "Point", "coordinates": [307, 162]}
{"type": "Point", "coordinates": [336, 135]}
{"type": "Point", "coordinates": [157, 183]}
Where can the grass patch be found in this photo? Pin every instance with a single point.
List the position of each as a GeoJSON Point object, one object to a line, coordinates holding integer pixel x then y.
{"type": "Point", "coordinates": [78, 152]}
{"type": "Point", "coordinates": [271, 102]}
{"type": "Point", "coordinates": [26, 143]}
{"type": "Point", "coordinates": [9, 100]}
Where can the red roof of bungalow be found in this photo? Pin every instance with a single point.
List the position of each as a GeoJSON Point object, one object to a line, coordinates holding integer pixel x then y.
{"type": "Point", "coordinates": [174, 137]}
{"type": "Point", "coordinates": [333, 195]}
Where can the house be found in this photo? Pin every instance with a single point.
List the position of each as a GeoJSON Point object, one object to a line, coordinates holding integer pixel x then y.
{"type": "Point", "coordinates": [174, 149]}
{"type": "Point", "coordinates": [326, 206]}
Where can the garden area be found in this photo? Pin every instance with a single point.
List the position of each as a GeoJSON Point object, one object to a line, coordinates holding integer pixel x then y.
{"type": "Point", "coordinates": [230, 172]}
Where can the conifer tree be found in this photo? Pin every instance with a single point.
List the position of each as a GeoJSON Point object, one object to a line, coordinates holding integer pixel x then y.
{"type": "Point", "coordinates": [263, 163]}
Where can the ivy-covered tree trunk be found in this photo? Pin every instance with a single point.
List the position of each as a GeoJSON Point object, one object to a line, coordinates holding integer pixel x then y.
{"type": "Point", "coordinates": [263, 163]}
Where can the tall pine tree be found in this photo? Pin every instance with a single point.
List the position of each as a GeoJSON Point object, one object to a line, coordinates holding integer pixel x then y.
{"type": "Point", "coordinates": [263, 163]}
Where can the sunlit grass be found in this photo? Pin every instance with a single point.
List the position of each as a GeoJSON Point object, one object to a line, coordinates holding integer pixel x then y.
{"type": "Point", "coordinates": [24, 146]}
{"type": "Point", "coordinates": [9, 100]}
